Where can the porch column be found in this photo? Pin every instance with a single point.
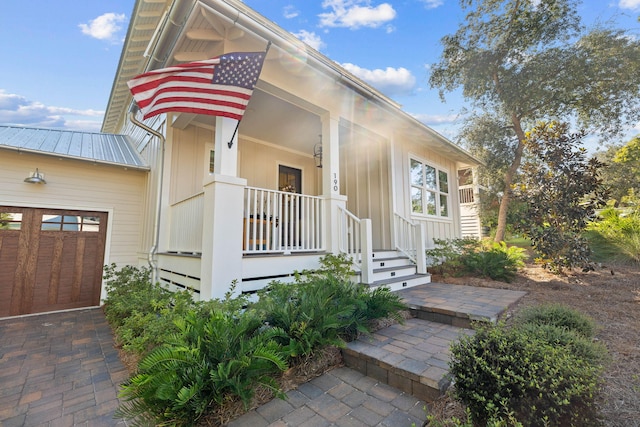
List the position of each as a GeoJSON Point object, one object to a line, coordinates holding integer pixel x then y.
{"type": "Point", "coordinates": [331, 180]}
{"type": "Point", "coordinates": [221, 261]}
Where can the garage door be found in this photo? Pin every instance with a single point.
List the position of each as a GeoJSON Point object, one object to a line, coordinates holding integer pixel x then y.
{"type": "Point", "coordinates": [50, 259]}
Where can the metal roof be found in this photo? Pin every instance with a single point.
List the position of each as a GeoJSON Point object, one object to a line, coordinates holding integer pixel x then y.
{"type": "Point", "coordinates": [94, 147]}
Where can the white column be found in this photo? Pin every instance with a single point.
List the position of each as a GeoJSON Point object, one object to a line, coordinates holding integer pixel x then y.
{"type": "Point", "coordinates": [221, 261]}
{"type": "Point", "coordinates": [226, 158]}
{"type": "Point", "coordinates": [331, 180]}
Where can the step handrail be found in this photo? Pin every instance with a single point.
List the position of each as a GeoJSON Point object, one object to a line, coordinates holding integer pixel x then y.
{"type": "Point", "coordinates": [410, 239]}
{"type": "Point", "coordinates": [355, 240]}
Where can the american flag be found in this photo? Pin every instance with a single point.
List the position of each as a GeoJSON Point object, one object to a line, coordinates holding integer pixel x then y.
{"type": "Point", "coordinates": [220, 86]}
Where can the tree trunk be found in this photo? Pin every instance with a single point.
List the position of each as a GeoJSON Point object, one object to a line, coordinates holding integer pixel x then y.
{"type": "Point", "coordinates": [501, 228]}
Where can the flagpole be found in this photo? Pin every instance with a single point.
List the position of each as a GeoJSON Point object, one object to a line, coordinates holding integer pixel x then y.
{"type": "Point", "coordinates": [230, 143]}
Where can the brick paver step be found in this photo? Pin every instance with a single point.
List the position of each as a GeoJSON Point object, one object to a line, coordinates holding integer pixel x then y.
{"type": "Point", "coordinates": [458, 305]}
{"type": "Point", "coordinates": [412, 357]}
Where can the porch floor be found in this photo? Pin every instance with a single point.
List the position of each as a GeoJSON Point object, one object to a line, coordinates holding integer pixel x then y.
{"type": "Point", "coordinates": [392, 373]}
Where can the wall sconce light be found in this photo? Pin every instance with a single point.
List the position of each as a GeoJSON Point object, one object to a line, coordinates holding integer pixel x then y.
{"type": "Point", "coordinates": [317, 154]}
{"type": "Point", "coordinates": [35, 178]}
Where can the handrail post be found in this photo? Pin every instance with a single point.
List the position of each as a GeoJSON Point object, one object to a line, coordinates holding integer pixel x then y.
{"type": "Point", "coordinates": [366, 235]}
{"type": "Point", "coordinates": [421, 248]}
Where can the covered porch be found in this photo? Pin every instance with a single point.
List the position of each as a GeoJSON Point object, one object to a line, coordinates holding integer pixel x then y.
{"type": "Point", "coordinates": [267, 217]}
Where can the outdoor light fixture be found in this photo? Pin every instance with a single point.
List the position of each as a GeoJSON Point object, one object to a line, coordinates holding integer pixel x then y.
{"type": "Point", "coordinates": [317, 154]}
{"type": "Point", "coordinates": [35, 178]}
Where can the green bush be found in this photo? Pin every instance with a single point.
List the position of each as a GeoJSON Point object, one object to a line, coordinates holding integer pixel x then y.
{"type": "Point", "coordinates": [210, 359]}
{"type": "Point", "coordinates": [142, 314]}
{"type": "Point", "coordinates": [545, 370]}
{"type": "Point", "coordinates": [324, 310]}
{"type": "Point", "coordinates": [499, 371]}
{"type": "Point", "coordinates": [207, 353]}
{"type": "Point", "coordinates": [558, 315]}
{"type": "Point", "coordinates": [472, 257]}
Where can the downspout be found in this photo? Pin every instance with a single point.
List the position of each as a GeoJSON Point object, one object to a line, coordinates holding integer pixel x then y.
{"type": "Point", "coordinates": [151, 258]}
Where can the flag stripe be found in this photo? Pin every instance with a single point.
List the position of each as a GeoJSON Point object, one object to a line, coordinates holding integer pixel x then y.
{"type": "Point", "coordinates": [190, 87]}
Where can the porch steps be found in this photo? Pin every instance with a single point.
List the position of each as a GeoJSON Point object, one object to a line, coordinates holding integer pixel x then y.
{"type": "Point", "coordinates": [395, 271]}
{"type": "Point", "coordinates": [413, 357]}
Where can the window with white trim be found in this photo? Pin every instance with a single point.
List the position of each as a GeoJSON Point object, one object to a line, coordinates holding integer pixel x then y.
{"type": "Point", "coordinates": [429, 189]}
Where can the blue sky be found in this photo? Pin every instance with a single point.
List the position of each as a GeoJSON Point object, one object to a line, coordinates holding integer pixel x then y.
{"type": "Point", "coordinates": [60, 57]}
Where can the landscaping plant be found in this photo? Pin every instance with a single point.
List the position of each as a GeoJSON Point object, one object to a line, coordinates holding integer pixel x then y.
{"type": "Point", "coordinates": [459, 257]}
{"type": "Point", "coordinates": [211, 359]}
{"type": "Point", "coordinates": [543, 371]}
{"type": "Point", "coordinates": [141, 313]}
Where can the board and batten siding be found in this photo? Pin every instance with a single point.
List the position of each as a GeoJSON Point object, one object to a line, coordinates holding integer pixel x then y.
{"type": "Point", "coordinates": [364, 173]}
{"type": "Point", "coordinates": [436, 228]}
{"type": "Point", "coordinates": [81, 185]}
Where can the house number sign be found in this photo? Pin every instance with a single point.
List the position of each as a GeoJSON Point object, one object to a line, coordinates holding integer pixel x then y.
{"type": "Point", "coordinates": [335, 182]}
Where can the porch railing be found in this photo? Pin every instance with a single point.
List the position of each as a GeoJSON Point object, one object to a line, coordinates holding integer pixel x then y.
{"type": "Point", "coordinates": [467, 193]}
{"type": "Point", "coordinates": [355, 240]}
{"type": "Point", "coordinates": [277, 221]}
{"type": "Point", "coordinates": [186, 225]}
{"type": "Point", "coordinates": [410, 240]}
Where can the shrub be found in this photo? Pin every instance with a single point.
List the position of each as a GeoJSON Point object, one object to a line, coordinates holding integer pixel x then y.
{"type": "Point", "coordinates": [472, 257]}
{"type": "Point", "coordinates": [141, 313]}
{"type": "Point", "coordinates": [501, 372]}
{"type": "Point", "coordinates": [560, 316]}
{"type": "Point", "coordinates": [324, 310]}
{"type": "Point", "coordinates": [309, 313]}
{"type": "Point", "coordinates": [210, 359]}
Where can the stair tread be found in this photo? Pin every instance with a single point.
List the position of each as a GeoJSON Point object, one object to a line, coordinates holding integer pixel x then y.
{"type": "Point", "coordinates": [399, 279]}
{"type": "Point", "coordinates": [393, 268]}
{"type": "Point", "coordinates": [390, 258]}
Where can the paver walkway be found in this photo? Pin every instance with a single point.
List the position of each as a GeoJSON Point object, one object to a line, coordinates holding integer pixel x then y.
{"type": "Point", "coordinates": [341, 397]}
{"type": "Point", "coordinates": [59, 369]}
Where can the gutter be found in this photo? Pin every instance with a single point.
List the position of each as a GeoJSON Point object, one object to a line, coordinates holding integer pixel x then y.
{"type": "Point", "coordinates": [152, 256]}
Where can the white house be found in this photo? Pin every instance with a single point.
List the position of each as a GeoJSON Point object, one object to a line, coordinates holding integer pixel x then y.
{"type": "Point", "coordinates": [321, 163]}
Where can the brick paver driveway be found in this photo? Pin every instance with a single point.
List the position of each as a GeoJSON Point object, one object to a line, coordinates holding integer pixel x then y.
{"type": "Point", "coordinates": [59, 369]}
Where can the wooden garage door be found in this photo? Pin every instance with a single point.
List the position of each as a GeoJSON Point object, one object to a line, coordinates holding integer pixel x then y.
{"type": "Point", "coordinates": [50, 259]}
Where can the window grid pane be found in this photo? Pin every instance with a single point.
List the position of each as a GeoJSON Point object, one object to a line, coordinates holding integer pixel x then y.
{"type": "Point", "coordinates": [416, 173]}
{"type": "Point", "coordinates": [416, 200]}
{"type": "Point", "coordinates": [444, 205]}
{"type": "Point", "coordinates": [430, 177]}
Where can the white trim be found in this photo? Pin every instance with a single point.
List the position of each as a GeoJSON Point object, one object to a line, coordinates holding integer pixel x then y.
{"type": "Point", "coordinates": [438, 193]}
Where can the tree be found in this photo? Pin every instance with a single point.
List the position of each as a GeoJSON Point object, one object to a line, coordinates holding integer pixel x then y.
{"type": "Point", "coordinates": [561, 189]}
{"type": "Point", "coordinates": [622, 170]}
{"type": "Point", "coordinates": [520, 61]}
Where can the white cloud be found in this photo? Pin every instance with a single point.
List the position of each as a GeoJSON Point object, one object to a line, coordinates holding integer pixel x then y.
{"type": "Point", "coordinates": [18, 110]}
{"type": "Point", "coordinates": [290, 12]}
{"type": "Point", "coordinates": [355, 14]}
{"type": "Point", "coordinates": [432, 4]}
{"type": "Point", "coordinates": [629, 4]}
{"type": "Point", "coordinates": [104, 27]}
{"type": "Point", "coordinates": [390, 81]}
{"type": "Point", "coordinates": [310, 38]}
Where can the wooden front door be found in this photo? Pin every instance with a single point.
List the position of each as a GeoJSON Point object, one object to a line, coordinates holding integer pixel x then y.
{"type": "Point", "coordinates": [50, 259]}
